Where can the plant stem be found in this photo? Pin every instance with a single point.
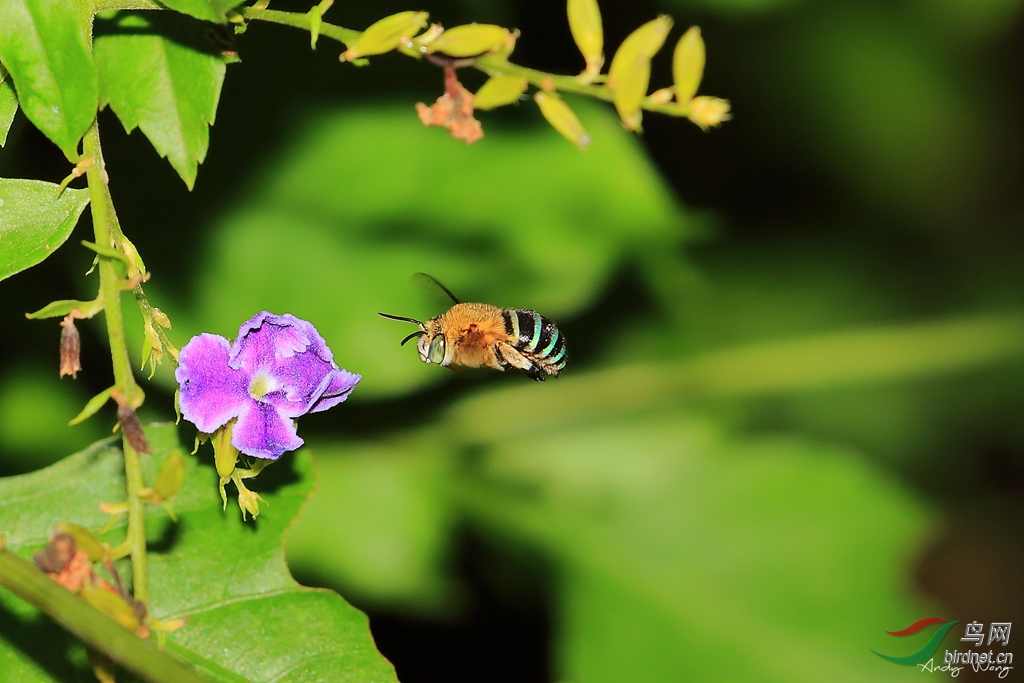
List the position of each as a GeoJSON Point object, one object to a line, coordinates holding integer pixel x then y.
{"type": "Point", "coordinates": [490, 65]}
{"type": "Point", "coordinates": [136, 536]}
{"type": "Point", "coordinates": [346, 36]}
{"type": "Point", "coordinates": [104, 221]}
{"type": "Point", "coordinates": [139, 656]}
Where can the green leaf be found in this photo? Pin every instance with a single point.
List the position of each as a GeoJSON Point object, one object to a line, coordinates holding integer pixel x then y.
{"type": "Point", "coordinates": [59, 309]}
{"type": "Point", "coordinates": [209, 10]}
{"type": "Point", "coordinates": [159, 73]}
{"type": "Point", "coordinates": [8, 105]}
{"type": "Point", "coordinates": [34, 221]}
{"type": "Point", "coordinates": [396, 549]}
{"type": "Point", "coordinates": [43, 46]}
{"type": "Point", "coordinates": [91, 407]}
{"type": "Point", "coordinates": [686, 553]}
{"type": "Point", "coordinates": [106, 252]}
{"type": "Point", "coordinates": [246, 616]}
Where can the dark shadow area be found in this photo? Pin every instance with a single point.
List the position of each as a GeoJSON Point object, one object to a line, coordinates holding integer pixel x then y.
{"type": "Point", "coordinates": [46, 643]}
{"type": "Point", "coordinates": [200, 36]}
{"type": "Point", "coordinates": [502, 634]}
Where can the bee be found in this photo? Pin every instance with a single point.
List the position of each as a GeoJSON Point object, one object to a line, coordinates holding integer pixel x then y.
{"type": "Point", "coordinates": [475, 335]}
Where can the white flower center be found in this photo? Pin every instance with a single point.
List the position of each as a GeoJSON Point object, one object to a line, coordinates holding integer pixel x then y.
{"type": "Point", "coordinates": [261, 384]}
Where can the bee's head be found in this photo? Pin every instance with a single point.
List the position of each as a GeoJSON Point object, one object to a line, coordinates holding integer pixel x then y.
{"type": "Point", "coordinates": [431, 343]}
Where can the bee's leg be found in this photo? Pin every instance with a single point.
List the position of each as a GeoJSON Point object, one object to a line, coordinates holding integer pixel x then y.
{"type": "Point", "coordinates": [510, 356]}
{"type": "Point", "coordinates": [500, 355]}
{"type": "Point", "coordinates": [533, 372]}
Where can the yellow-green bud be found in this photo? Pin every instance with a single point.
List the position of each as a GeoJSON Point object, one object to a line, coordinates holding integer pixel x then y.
{"type": "Point", "coordinates": [688, 64]}
{"type": "Point", "coordinates": [225, 456]}
{"type": "Point", "coordinates": [171, 477]}
{"type": "Point", "coordinates": [471, 40]}
{"type": "Point", "coordinates": [316, 20]}
{"type": "Point", "coordinates": [630, 72]}
{"type": "Point", "coordinates": [708, 112]}
{"type": "Point", "coordinates": [660, 97]}
{"type": "Point", "coordinates": [562, 118]}
{"type": "Point", "coordinates": [160, 318]}
{"type": "Point", "coordinates": [585, 24]}
{"type": "Point", "coordinates": [111, 604]}
{"type": "Point", "coordinates": [499, 91]}
{"type": "Point", "coordinates": [84, 540]}
{"type": "Point", "coordinates": [249, 502]}
{"type": "Point", "coordinates": [427, 37]}
{"type": "Point", "coordinates": [385, 35]}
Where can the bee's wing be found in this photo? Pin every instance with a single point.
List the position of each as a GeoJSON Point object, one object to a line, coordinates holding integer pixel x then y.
{"type": "Point", "coordinates": [427, 278]}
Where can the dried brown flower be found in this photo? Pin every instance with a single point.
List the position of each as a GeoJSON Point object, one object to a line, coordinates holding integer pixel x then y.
{"type": "Point", "coordinates": [132, 428]}
{"type": "Point", "coordinates": [70, 347]}
{"type": "Point", "coordinates": [453, 110]}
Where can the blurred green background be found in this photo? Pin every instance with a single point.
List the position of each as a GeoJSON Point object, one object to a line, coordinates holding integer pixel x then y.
{"type": "Point", "coordinates": [792, 415]}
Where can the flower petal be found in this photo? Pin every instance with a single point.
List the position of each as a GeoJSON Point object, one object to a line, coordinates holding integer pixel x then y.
{"type": "Point", "coordinates": [262, 432]}
{"type": "Point", "coordinates": [266, 336]}
{"type": "Point", "coordinates": [340, 384]}
{"type": "Point", "coordinates": [303, 379]}
{"type": "Point", "coordinates": [211, 392]}
{"type": "Point", "coordinates": [293, 353]}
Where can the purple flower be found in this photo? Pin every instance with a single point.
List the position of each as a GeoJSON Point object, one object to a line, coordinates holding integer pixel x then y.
{"type": "Point", "coordinates": [278, 369]}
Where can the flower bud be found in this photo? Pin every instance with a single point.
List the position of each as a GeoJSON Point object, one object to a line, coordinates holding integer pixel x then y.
{"type": "Point", "coordinates": [385, 35]}
{"type": "Point", "coordinates": [498, 91]}
{"type": "Point", "coordinates": [225, 456]}
{"type": "Point", "coordinates": [585, 24]}
{"type": "Point", "coordinates": [688, 64]}
{"type": "Point", "coordinates": [562, 118]}
{"type": "Point", "coordinates": [132, 429]}
{"type": "Point", "coordinates": [316, 20]}
{"type": "Point", "coordinates": [112, 604]}
{"type": "Point", "coordinates": [152, 349]}
{"type": "Point", "coordinates": [708, 112]}
{"type": "Point", "coordinates": [630, 72]}
{"type": "Point", "coordinates": [471, 40]}
{"type": "Point", "coordinates": [248, 501]}
{"type": "Point", "coordinates": [420, 43]}
{"type": "Point", "coordinates": [84, 540]}
{"type": "Point", "coordinates": [160, 318]}
{"type": "Point", "coordinates": [171, 477]}
{"type": "Point", "coordinates": [70, 348]}
{"type": "Point", "coordinates": [660, 97]}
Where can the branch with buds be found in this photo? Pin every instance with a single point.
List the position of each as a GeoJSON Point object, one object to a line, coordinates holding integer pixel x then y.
{"type": "Point", "coordinates": [487, 48]}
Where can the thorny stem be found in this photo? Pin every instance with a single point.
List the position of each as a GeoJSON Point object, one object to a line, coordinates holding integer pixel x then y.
{"type": "Point", "coordinates": [104, 220]}
{"type": "Point", "coordinates": [490, 65]}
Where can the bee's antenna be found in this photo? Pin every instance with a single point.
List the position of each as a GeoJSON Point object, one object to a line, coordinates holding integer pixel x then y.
{"type": "Point", "coordinates": [417, 333]}
{"type": "Point", "coordinates": [400, 318]}
{"type": "Point", "coordinates": [438, 283]}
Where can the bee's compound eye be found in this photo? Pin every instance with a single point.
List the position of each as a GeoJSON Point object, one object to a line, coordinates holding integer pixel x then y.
{"type": "Point", "coordinates": [435, 354]}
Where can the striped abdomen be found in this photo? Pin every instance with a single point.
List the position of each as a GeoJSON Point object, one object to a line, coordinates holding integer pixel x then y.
{"type": "Point", "coordinates": [538, 339]}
